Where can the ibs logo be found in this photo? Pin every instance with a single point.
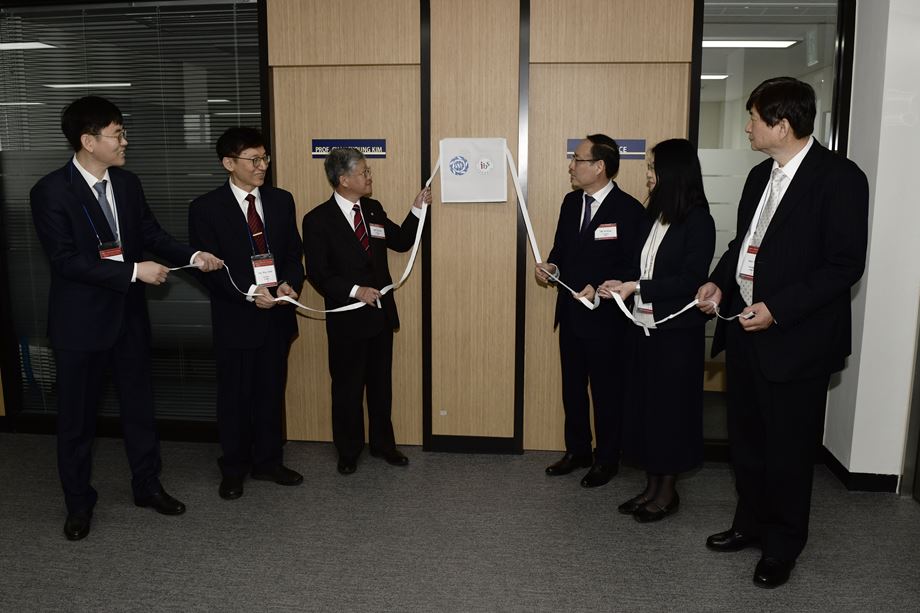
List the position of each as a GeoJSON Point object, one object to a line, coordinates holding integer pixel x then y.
{"type": "Point", "coordinates": [485, 166]}
{"type": "Point", "coordinates": [458, 166]}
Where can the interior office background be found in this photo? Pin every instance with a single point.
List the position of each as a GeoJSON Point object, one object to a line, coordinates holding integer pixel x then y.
{"type": "Point", "coordinates": [183, 71]}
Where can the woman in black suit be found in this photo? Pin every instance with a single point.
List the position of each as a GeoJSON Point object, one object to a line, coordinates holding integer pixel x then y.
{"type": "Point", "coordinates": [663, 408]}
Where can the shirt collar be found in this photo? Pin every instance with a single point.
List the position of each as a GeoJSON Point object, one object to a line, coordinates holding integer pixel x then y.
{"type": "Point", "coordinates": [344, 203]}
{"type": "Point", "coordinates": [241, 193]}
{"type": "Point", "coordinates": [602, 193]}
{"type": "Point", "coordinates": [90, 179]}
{"type": "Point", "coordinates": [793, 165]}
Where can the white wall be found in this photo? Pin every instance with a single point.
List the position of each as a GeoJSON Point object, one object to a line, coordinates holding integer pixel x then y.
{"type": "Point", "coordinates": [866, 427]}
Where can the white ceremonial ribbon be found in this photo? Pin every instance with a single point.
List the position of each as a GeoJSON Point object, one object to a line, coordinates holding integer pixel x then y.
{"type": "Point", "coordinates": [181, 267]}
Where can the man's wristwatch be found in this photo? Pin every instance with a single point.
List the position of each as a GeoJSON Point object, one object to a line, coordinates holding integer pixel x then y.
{"type": "Point", "coordinates": [638, 291]}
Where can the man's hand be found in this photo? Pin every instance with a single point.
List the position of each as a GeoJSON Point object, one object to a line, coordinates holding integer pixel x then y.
{"type": "Point", "coordinates": [368, 295]}
{"type": "Point", "coordinates": [607, 288]}
{"type": "Point", "coordinates": [207, 262]}
{"type": "Point", "coordinates": [424, 196]}
{"type": "Point", "coordinates": [709, 291]}
{"type": "Point", "coordinates": [588, 293]}
{"type": "Point", "coordinates": [761, 320]}
{"type": "Point", "coordinates": [263, 298]}
{"type": "Point", "coordinates": [543, 271]}
{"type": "Point", "coordinates": [286, 290]}
{"type": "Point", "coordinates": [151, 272]}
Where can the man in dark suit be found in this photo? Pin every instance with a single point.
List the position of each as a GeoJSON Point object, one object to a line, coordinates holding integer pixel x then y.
{"type": "Point", "coordinates": [596, 237]}
{"type": "Point", "coordinates": [345, 241]}
{"type": "Point", "coordinates": [94, 223]}
{"type": "Point", "coordinates": [799, 247]}
{"type": "Point", "coordinates": [253, 228]}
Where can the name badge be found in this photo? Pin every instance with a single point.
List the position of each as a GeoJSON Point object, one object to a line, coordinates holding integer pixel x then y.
{"type": "Point", "coordinates": [377, 231]}
{"type": "Point", "coordinates": [605, 232]}
{"type": "Point", "coordinates": [263, 267]}
{"type": "Point", "coordinates": [747, 263]}
{"type": "Point", "coordinates": [111, 251]}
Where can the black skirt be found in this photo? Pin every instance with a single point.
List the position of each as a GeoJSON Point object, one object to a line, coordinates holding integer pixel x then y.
{"type": "Point", "coordinates": [663, 399]}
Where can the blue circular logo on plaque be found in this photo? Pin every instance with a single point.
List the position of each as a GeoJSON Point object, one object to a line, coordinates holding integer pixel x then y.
{"type": "Point", "coordinates": [459, 166]}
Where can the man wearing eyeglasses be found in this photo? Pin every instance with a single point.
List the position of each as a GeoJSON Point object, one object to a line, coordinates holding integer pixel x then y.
{"type": "Point", "coordinates": [346, 240]}
{"type": "Point", "coordinates": [596, 237]}
{"type": "Point", "coordinates": [95, 225]}
{"type": "Point", "coordinates": [253, 228]}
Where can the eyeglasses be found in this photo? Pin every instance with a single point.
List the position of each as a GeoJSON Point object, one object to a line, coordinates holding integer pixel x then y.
{"type": "Point", "coordinates": [121, 135]}
{"type": "Point", "coordinates": [575, 160]}
{"type": "Point", "coordinates": [366, 172]}
{"type": "Point", "coordinates": [256, 161]}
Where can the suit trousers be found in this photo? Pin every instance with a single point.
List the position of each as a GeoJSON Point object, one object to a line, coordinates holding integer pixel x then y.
{"type": "Point", "coordinates": [773, 430]}
{"type": "Point", "coordinates": [250, 404]}
{"type": "Point", "coordinates": [80, 379]}
{"type": "Point", "coordinates": [356, 365]}
{"type": "Point", "coordinates": [589, 361]}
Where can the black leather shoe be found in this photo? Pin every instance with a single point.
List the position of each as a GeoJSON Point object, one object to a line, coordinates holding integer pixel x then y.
{"type": "Point", "coordinates": [347, 465]}
{"type": "Point", "coordinates": [162, 503]}
{"type": "Point", "coordinates": [568, 463]}
{"type": "Point", "coordinates": [76, 526]}
{"type": "Point", "coordinates": [599, 475]}
{"type": "Point", "coordinates": [731, 540]}
{"type": "Point", "coordinates": [231, 488]}
{"type": "Point", "coordinates": [281, 474]}
{"type": "Point", "coordinates": [645, 515]}
{"type": "Point", "coordinates": [632, 505]}
{"type": "Point", "coordinates": [394, 456]}
{"type": "Point", "coordinates": [772, 572]}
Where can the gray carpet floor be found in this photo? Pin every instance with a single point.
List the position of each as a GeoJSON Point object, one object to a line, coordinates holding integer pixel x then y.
{"type": "Point", "coordinates": [448, 533]}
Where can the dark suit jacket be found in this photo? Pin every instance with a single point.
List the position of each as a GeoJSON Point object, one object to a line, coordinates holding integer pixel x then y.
{"type": "Point", "coordinates": [91, 299]}
{"type": "Point", "coordinates": [814, 250]}
{"type": "Point", "coordinates": [582, 260]}
{"type": "Point", "coordinates": [217, 225]}
{"type": "Point", "coordinates": [336, 262]}
{"type": "Point", "coordinates": [681, 266]}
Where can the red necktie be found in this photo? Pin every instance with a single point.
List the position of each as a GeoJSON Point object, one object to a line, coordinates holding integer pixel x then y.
{"type": "Point", "coordinates": [360, 230]}
{"type": "Point", "coordinates": [255, 224]}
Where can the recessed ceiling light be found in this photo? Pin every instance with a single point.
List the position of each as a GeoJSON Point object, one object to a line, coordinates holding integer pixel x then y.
{"type": "Point", "coordinates": [713, 77]}
{"type": "Point", "coordinates": [86, 85]}
{"type": "Point", "coordinates": [24, 46]}
{"type": "Point", "coordinates": [751, 44]}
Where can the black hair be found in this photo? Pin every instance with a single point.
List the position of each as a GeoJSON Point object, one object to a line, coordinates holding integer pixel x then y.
{"type": "Point", "coordinates": [341, 161]}
{"type": "Point", "coordinates": [235, 140]}
{"type": "Point", "coordinates": [88, 115]}
{"type": "Point", "coordinates": [606, 149]}
{"type": "Point", "coordinates": [679, 183]}
{"type": "Point", "coordinates": [785, 98]}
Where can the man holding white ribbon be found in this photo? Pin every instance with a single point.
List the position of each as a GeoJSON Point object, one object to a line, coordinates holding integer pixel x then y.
{"type": "Point", "coordinates": [596, 239]}
{"type": "Point", "coordinates": [800, 245]}
{"type": "Point", "coordinates": [254, 228]}
{"type": "Point", "coordinates": [346, 240]}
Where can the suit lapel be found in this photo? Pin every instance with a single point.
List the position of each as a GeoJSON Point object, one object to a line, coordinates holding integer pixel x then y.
{"type": "Point", "coordinates": [748, 206]}
{"type": "Point", "coordinates": [341, 228]}
{"type": "Point", "coordinates": [233, 216]}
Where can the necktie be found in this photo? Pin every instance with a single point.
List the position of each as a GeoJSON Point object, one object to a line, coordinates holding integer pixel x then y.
{"type": "Point", "coordinates": [106, 207]}
{"type": "Point", "coordinates": [586, 220]}
{"type": "Point", "coordinates": [360, 230]}
{"type": "Point", "coordinates": [255, 224]}
{"type": "Point", "coordinates": [746, 286]}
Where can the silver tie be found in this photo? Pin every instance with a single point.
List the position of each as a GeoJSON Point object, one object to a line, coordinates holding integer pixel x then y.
{"type": "Point", "coordinates": [106, 207]}
{"type": "Point", "coordinates": [776, 183]}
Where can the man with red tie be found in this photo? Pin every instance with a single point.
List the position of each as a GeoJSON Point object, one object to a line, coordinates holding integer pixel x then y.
{"type": "Point", "coordinates": [253, 227]}
{"type": "Point", "coordinates": [345, 241]}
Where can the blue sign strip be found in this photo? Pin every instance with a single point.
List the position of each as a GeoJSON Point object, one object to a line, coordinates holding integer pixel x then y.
{"type": "Point", "coordinates": [370, 147]}
{"type": "Point", "coordinates": [630, 148]}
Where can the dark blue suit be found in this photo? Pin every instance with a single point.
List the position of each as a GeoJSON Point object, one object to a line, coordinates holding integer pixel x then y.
{"type": "Point", "coordinates": [252, 344]}
{"type": "Point", "coordinates": [589, 340]}
{"type": "Point", "coordinates": [98, 318]}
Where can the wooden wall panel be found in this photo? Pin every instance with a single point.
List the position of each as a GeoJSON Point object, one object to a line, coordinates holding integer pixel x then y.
{"type": "Point", "coordinates": [333, 102]}
{"type": "Point", "coordinates": [628, 101]}
{"type": "Point", "coordinates": [324, 32]}
{"type": "Point", "coordinates": [474, 93]}
{"type": "Point", "coordinates": [604, 31]}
